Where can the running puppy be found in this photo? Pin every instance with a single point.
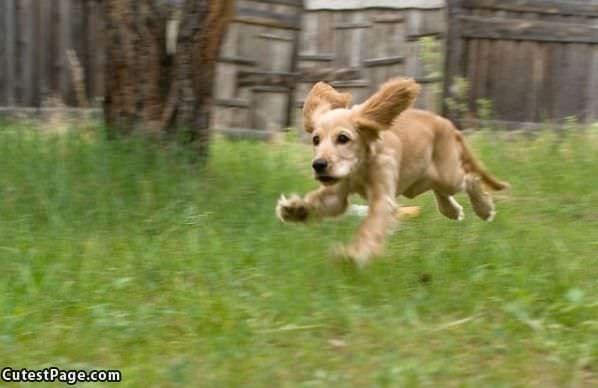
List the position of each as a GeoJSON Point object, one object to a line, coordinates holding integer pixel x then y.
{"type": "Point", "coordinates": [382, 149]}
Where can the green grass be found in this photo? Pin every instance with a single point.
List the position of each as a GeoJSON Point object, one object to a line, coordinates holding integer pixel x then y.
{"type": "Point", "coordinates": [122, 255]}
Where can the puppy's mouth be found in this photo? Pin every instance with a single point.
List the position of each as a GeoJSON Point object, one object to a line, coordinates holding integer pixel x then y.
{"type": "Point", "coordinates": [327, 179]}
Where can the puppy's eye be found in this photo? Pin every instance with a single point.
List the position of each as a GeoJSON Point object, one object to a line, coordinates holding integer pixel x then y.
{"type": "Point", "coordinates": [316, 140]}
{"type": "Point", "coordinates": [342, 139]}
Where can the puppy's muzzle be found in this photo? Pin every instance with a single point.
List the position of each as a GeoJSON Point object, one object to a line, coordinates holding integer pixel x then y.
{"type": "Point", "coordinates": [320, 165]}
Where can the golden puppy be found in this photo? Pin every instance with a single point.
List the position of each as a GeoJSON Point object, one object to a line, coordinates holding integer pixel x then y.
{"type": "Point", "coordinates": [382, 149]}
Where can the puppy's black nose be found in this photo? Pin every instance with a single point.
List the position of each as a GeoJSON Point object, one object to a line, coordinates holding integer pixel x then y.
{"type": "Point", "coordinates": [319, 165]}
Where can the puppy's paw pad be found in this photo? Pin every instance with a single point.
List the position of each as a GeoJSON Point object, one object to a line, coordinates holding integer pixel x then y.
{"type": "Point", "coordinates": [291, 209]}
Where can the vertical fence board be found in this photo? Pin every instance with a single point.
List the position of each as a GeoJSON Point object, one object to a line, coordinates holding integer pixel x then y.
{"type": "Point", "coordinates": [12, 61]}
{"type": "Point", "coordinates": [36, 36]}
{"type": "Point", "coordinates": [19, 52]}
{"type": "Point", "coordinates": [64, 43]}
{"type": "Point", "coordinates": [375, 43]}
{"type": "Point", "coordinates": [592, 88]}
{"type": "Point", "coordinates": [342, 41]}
{"type": "Point", "coordinates": [101, 53]}
{"type": "Point", "coordinates": [48, 36]}
{"type": "Point", "coordinates": [454, 56]}
{"type": "Point", "coordinates": [29, 41]}
{"type": "Point", "coordinates": [325, 36]}
{"type": "Point", "coordinates": [77, 32]}
{"type": "Point", "coordinates": [479, 85]}
{"type": "Point", "coordinates": [3, 75]}
{"type": "Point", "coordinates": [6, 54]}
{"type": "Point", "coordinates": [511, 81]}
{"type": "Point", "coordinates": [39, 49]}
{"type": "Point", "coordinates": [575, 75]}
{"type": "Point", "coordinates": [90, 37]}
{"type": "Point", "coordinates": [9, 39]}
{"type": "Point", "coordinates": [23, 41]}
{"type": "Point", "coordinates": [52, 70]}
{"type": "Point", "coordinates": [471, 70]}
{"type": "Point", "coordinates": [527, 80]}
{"type": "Point", "coordinates": [357, 37]}
{"type": "Point", "coordinates": [548, 99]}
{"type": "Point", "coordinates": [530, 76]}
{"type": "Point", "coordinates": [309, 37]}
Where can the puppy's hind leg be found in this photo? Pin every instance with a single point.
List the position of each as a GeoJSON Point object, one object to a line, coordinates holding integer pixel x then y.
{"type": "Point", "coordinates": [481, 201]}
{"type": "Point", "coordinates": [448, 206]}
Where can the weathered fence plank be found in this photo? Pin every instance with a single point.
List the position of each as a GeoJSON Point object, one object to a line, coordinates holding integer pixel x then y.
{"type": "Point", "coordinates": [267, 18]}
{"type": "Point", "coordinates": [256, 74]}
{"type": "Point", "coordinates": [64, 44]}
{"type": "Point", "coordinates": [358, 47]}
{"type": "Point", "coordinates": [533, 59]}
{"type": "Point", "coordinates": [53, 57]}
{"type": "Point", "coordinates": [35, 36]}
{"type": "Point", "coordinates": [38, 53]}
{"type": "Point", "coordinates": [27, 42]}
{"type": "Point", "coordinates": [530, 30]}
{"type": "Point", "coordinates": [592, 88]}
{"type": "Point", "coordinates": [454, 56]}
{"type": "Point", "coordinates": [275, 50]}
{"type": "Point", "coordinates": [7, 52]}
{"type": "Point", "coordinates": [549, 7]}
{"type": "Point", "coordinates": [46, 36]}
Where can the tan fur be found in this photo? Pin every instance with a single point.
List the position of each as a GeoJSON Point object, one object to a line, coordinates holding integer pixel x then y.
{"type": "Point", "coordinates": [321, 99]}
{"type": "Point", "coordinates": [393, 97]}
{"type": "Point", "coordinates": [392, 150]}
{"type": "Point", "coordinates": [470, 164]}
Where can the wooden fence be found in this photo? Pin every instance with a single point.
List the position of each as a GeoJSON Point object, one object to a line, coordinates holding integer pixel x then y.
{"type": "Point", "coordinates": [35, 36]}
{"type": "Point", "coordinates": [276, 49]}
{"type": "Point", "coordinates": [536, 60]}
{"type": "Point", "coordinates": [256, 70]}
{"type": "Point", "coordinates": [273, 52]}
{"type": "Point", "coordinates": [357, 46]}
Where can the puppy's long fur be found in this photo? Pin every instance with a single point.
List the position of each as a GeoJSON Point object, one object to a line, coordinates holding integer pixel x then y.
{"type": "Point", "coordinates": [380, 150]}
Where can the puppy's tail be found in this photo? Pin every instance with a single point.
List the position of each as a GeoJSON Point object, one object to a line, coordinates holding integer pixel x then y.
{"type": "Point", "coordinates": [471, 165]}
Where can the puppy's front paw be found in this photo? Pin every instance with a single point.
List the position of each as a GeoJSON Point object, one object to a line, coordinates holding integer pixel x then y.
{"type": "Point", "coordinates": [293, 209]}
{"type": "Point", "coordinates": [360, 256]}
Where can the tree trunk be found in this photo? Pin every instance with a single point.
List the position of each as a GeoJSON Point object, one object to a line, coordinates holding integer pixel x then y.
{"type": "Point", "coordinates": [161, 58]}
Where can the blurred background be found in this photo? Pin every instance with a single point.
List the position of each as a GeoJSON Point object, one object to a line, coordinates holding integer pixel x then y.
{"type": "Point", "coordinates": [143, 146]}
{"type": "Point", "coordinates": [516, 62]}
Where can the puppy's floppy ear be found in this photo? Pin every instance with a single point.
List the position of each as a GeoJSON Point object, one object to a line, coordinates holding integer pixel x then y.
{"type": "Point", "coordinates": [321, 99]}
{"type": "Point", "coordinates": [393, 97]}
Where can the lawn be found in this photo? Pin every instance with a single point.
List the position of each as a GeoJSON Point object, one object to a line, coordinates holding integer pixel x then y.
{"type": "Point", "coordinates": [122, 254]}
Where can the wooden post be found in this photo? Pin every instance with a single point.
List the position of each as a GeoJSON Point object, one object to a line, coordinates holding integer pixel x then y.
{"type": "Point", "coordinates": [294, 68]}
{"type": "Point", "coordinates": [454, 53]}
{"type": "Point", "coordinates": [7, 57]}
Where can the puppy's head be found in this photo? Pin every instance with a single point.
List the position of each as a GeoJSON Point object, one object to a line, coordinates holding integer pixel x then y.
{"type": "Point", "coordinates": [341, 136]}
